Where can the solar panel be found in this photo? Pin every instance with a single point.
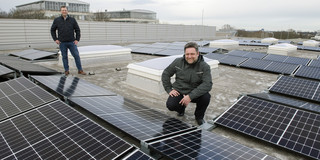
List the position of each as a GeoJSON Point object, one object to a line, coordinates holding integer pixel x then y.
{"type": "Point", "coordinates": [232, 60]}
{"type": "Point", "coordinates": [309, 48]}
{"type": "Point", "coordinates": [308, 72]}
{"type": "Point", "coordinates": [256, 55]}
{"type": "Point", "coordinates": [318, 57]}
{"type": "Point", "coordinates": [297, 60]}
{"type": "Point", "coordinates": [215, 56]}
{"type": "Point", "coordinates": [282, 68]}
{"type": "Point", "coordinates": [284, 126]}
{"type": "Point", "coordinates": [275, 57]}
{"type": "Point", "coordinates": [145, 50]}
{"type": "Point", "coordinates": [201, 144]}
{"type": "Point", "coordinates": [288, 101]}
{"type": "Point", "coordinates": [170, 52]}
{"type": "Point", "coordinates": [72, 86]}
{"type": "Point", "coordinates": [315, 63]}
{"type": "Point", "coordinates": [138, 155]}
{"type": "Point", "coordinates": [257, 64]}
{"type": "Point", "coordinates": [254, 44]}
{"type": "Point", "coordinates": [24, 66]}
{"type": "Point", "coordinates": [297, 87]}
{"type": "Point", "coordinates": [177, 47]}
{"type": "Point", "coordinates": [134, 119]}
{"type": "Point", "coordinates": [56, 131]}
{"type": "Point", "coordinates": [33, 54]}
{"type": "Point", "coordinates": [207, 50]}
{"type": "Point", "coordinates": [4, 70]}
{"type": "Point", "coordinates": [20, 95]}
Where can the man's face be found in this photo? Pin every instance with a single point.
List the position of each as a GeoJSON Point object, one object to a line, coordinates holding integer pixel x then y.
{"type": "Point", "coordinates": [191, 55]}
{"type": "Point", "coordinates": [64, 12]}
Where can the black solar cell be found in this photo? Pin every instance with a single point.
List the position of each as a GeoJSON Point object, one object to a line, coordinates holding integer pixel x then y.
{"type": "Point", "coordinates": [282, 68]}
{"type": "Point", "coordinates": [138, 155]}
{"type": "Point", "coordinates": [315, 63]}
{"type": "Point", "coordinates": [4, 70]}
{"type": "Point", "coordinates": [232, 60]}
{"type": "Point", "coordinates": [287, 127]}
{"type": "Point", "coordinates": [256, 64]}
{"type": "Point", "coordinates": [215, 56]}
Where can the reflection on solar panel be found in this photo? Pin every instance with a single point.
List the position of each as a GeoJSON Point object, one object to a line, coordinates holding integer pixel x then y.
{"type": "Point", "coordinates": [232, 60]}
{"type": "Point", "coordinates": [201, 144]}
{"type": "Point", "coordinates": [170, 52]}
{"type": "Point", "coordinates": [215, 56]}
{"type": "Point", "coordinates": [134, 119]}
{"type": "Point", "coordinates": [138, 155]}
{"type": "Point", "coordinates": [147, 50]}
{"type": "Point", "coordinates": [308, 72]}
{"type": "Point", "coordinates": [4, 70]}
{"type": "Point", "coordinates": [56, 131]}
{"type": "Point", "coordinates": [308, 48]}
{"type": "Point", "coordinates": [297, 87]}
{"type": "Point", "coordinates": [270, 66]}
{"type": "Point", "coordinates": [19, 95]}
{"type": "Point", "coordinates": [287, 59]}
{"type": "Point", "coordinates": [207, 50]}
{"type": "Point", "coordinates": [33, 54]}
{"type": "Point", "coordinates": [288, 101]}
{"type": "Point", "coordinates": [315, 63]}
{"type": "Point", "coordinates": [71, 86]}
{"type": "Point", "coordinates": [256, 55]}
{"type": "Point", "coordinates": [287, 127]}
{"type": "Point", "coordinates": [24, 66]}
{"type": "Point", "coordinates": [253, 44]}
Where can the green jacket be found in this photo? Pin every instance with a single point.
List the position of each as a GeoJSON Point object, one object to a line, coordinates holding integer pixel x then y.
{"type": "Point", "coordinates": [191, 79]}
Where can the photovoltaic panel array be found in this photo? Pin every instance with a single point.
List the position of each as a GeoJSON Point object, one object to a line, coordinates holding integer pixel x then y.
{"type": "Point", "coordinates": [284, 126]}
{"type": "Point", "coordinates": [138, 155]}
{"type": "Point", "coordinates": [287, 59]}
{"type": "Point", "coordinates": [215, 56]}
{"type": "Point", "coordinates": [270, 66]}
{"type": "Point", "coordinates": [288, 101]}
{"type": "Point", "coordinates": [246, 43]}
{"type": "Point", "coordinates": [24, 66]}
{"type": "Point", "coordinates": [206, 50]}
{"type": "Point", "coordinates": [56, 131]}
{"type": "Point", "coordinates": [308, 72]}
{"type": "Point", "coordinates": [170, 52]}
{"type": "Point", "coordinates": [5, 71]}
{"type": "Point", "coordinates": [20, 95]}
{"type": "Point", "coordinates": [315, 63]}
{"type": "Point", "coordinates": [308, 48]}
{"type": "Point", "coordinates": [297, 87]}
{"type": "Point", "coordinates": [201, 144]}
{"type": "Point", "coordinates": [72, 86]}
{"type": "Point", "coordinates": [145, 50]}
{"type": "Point", "coordinates": [134, 119]}
{"type": "Point", "coordinates": [256, 55]}
{"type": "Point", "coordinates": [32, 54]}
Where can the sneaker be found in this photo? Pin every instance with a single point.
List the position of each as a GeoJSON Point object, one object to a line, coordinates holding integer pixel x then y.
{"type": "Point", "coordinates": [66, 73]}
{"type": "Point", "coordinates": [82, 73]}
{"type": "Point", "coordinates": [182, 113]}
{"type": "Point", "coordinates": [200, 121]}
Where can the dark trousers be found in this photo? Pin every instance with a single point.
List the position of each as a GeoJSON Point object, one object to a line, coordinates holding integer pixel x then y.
{"type": "Point", "coordinates": [201, 107]}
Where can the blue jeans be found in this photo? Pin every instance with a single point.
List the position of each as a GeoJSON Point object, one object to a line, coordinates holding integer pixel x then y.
{"type": "Point", "coordinates": [64, 46]}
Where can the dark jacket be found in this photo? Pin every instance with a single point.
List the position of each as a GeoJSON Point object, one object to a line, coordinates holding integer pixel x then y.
{"type": "Point", "coordinates": [191, 79]}
{"type": "Point", "coordinates": [66, 29]}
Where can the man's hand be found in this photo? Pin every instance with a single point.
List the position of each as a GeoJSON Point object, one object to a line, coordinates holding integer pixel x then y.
{"type": "Point", "coordinates": [76, 42]}
{"type": "Point", "coordinates": [174, 93]}
{"type": "Point", "coordinates": [185, 100]}
{"type": "Point", "coordinates": [57, 41]}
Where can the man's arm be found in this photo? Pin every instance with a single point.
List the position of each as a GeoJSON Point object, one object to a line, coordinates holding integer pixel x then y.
{"type": "Point", "coordinates": [77, 30]}
{"type": "Point", "coordinates": [53, 30]}
{"type": "Point", "coordinates": [166, 77]}
{"type": "Point", "coordinates": [205, 86]}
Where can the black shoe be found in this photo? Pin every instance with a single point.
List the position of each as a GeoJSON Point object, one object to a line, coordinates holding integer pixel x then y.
{"type": "Point", "coordinates": [182, 113]}
{"type": "Point", "coordinates": [200, 121]}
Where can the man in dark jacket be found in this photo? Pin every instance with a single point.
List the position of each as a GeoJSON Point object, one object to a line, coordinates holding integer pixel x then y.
{"type": "Point", "coordinates": [192, 83]}
{"type": "Point", "coordinates": [66, 27]}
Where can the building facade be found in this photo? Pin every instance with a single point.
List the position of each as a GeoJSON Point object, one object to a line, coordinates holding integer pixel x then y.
{"type": "Point", "coordinates": [77, 9]}
{"type": "Point", "coordinates": [136, 16]}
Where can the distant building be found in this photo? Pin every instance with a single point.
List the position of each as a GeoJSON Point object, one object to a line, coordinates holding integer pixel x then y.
{"type": "Point", "coordinates": [76, 8]}
{"type": "Point", "coordinates": [136, 15]}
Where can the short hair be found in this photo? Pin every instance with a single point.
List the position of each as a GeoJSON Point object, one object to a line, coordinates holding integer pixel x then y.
{"type": "Point", "coordinates": [191, 45]}
{"type": "Point", "coordinates": [63, 7]}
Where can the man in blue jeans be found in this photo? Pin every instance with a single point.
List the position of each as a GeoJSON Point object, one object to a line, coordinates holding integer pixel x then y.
{"type": "Point", "coordinates": [193, 82]}
{"type": "Point", "coordinates": [66, 27]}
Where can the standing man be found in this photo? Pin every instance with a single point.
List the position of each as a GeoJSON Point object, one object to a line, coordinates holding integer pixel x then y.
{"type": "Point", "coordinates": [66, 27]}
{"type": "Point", "coordinates": [193, 82]}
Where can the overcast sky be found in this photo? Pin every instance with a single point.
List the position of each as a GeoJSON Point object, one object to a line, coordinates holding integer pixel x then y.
{"type": "Point", "coordinates": [272, 15]}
